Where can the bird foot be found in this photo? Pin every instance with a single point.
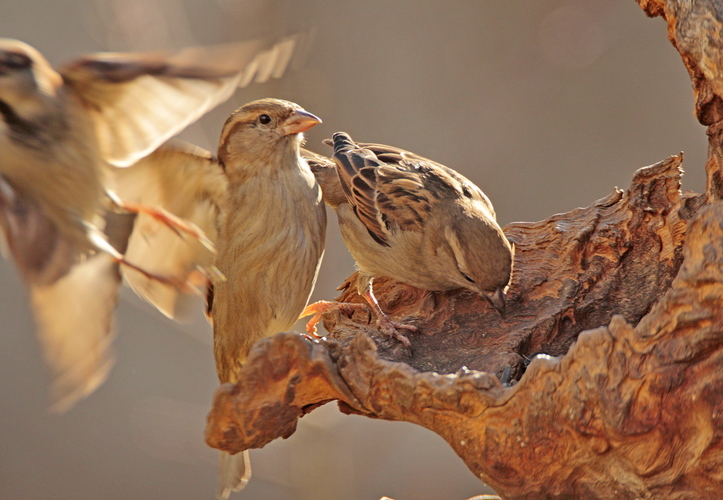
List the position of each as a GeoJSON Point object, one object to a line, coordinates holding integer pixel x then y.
{"type": "Point", "coordinates": [384, 324]}
{"type": "Point", "coordinates": [391, 329]}
{"type": "Point", "coordinates": [318, 309]}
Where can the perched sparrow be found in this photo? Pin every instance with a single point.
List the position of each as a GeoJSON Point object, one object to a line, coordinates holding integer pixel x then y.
{"type": "Point", "coordinates": [414, 220]}
{"type": "Point", "coordinates": [269, 234]}
{"type": "Point", "coordinates": [58, 131]}
{"type": "Point", "coordinates": [270, 240]}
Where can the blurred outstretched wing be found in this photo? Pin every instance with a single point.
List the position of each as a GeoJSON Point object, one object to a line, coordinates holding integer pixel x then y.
{"type": "Point", "coordinates": [72, 299]}
{"type": "Point", "coordinates": [140, 100]}
{"type": "Point", "coordinates": [41, 252]}
{"type": "Point", "coordinates": [186, 181]}
{"type": "Point", "coordinates": [74, 316]}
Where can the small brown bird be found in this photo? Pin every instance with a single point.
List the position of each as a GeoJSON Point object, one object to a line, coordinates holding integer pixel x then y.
{"type": "Point", "coordinates": [58, 131]}
{"type": "Point", "coordinates": [270, 240]}
{"type": "Point", "coordinates": [414, 220]}
{"type": "Point", "coordinates": [269, 231]}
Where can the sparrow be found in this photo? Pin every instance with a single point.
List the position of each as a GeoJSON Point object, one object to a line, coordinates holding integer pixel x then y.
{"type": "Point", "coordinates": [414, 220]}
{"type": "Point", "coordinates": [59, 132]}
{"type": "Point", "coordinates": [261, 205]}
{"type": "Point", "coordinates": [270, 239]}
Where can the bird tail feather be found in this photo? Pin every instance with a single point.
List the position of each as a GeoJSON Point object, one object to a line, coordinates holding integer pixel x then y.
{"type": "Point", "coordinates": [234, 472]}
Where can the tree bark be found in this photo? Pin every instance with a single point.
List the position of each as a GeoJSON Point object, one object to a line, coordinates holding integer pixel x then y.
{"type": "Point", "coordinates": [619, 307]}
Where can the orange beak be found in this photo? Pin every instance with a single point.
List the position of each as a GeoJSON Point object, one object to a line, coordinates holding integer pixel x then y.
{"type": "Point", "coordinates": [300, 121]}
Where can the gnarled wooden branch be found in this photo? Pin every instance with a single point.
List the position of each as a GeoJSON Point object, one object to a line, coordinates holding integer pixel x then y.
{"type": "Point", "coordinates": [625, 300]}
{"type": "Point", "coordinates": [695, 28]}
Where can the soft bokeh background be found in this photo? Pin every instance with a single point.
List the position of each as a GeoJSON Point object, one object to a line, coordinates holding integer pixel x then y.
{"type": "Point", "coordinates": [547, 105]}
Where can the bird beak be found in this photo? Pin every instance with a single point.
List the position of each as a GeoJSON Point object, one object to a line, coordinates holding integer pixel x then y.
{"type": "Point", "coordinates": [498, 300]}
{"type": "Point", "coordinates": [300, 121]}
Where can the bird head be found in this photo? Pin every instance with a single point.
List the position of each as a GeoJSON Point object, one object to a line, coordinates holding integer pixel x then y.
{"type": "Point", "coordinates": [261, 129]}
{"type": "Point", "coordinates": [25, 77]}
{"type": "Point", "coordinates": [483, 257]}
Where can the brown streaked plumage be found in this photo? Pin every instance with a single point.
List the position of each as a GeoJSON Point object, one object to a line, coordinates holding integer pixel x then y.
{"type": "Point", "coordinates": [414, 220]}
{"type": "Point", "coordinates": [58, 131]}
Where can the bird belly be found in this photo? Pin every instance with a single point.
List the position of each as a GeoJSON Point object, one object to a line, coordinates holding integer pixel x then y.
{"type": "Point", "coordinates": [269, 253]}
{"type": "Point", "coordinates": [63, 181]}
{"type": "Point", "coordinates": [403, 260]}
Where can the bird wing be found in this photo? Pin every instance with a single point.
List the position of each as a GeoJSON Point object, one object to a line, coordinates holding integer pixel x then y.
{"type": "Point", "coordinates": [139, 101]}
{"type": "Point", "coordinates": [72, 298]}
{"type": "Point", "coordinates": [438, 181]}
{"type": "Point", "coordinates": [74, 316]}
{"type": "Point", "coordinates": [357, 170]}
{"type": "Point", "coordinates": [324, 170]}
{"type": "Point", "coordinates": [387, 192]}
{"type": "Point", "coordinates": [189, 183]}
{"type": "Point", "coordinates": [42, 253]}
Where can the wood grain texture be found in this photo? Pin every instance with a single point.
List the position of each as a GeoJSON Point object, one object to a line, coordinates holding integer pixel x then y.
{"type": "Point", "coordinates": [695, 29]}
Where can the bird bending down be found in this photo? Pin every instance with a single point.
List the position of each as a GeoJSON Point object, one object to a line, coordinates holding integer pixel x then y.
{"type": "Point", "coordinates": [59, 130]}
{"type": "Point", "coordinates": [414, 220]}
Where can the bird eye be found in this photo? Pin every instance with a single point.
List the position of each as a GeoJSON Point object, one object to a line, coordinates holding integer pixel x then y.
{"type": "Point", "coordinates": [468, 278]}
{"type": "Point", "coordinates": [264, 119]}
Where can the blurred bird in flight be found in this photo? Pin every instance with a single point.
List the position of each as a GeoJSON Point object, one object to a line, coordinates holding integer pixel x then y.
{"type": "Point", "coordinates": [61, 134]}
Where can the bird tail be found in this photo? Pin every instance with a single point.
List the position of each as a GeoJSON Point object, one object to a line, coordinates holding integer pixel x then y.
{"type": "Point", "coordinates": [234, 472]}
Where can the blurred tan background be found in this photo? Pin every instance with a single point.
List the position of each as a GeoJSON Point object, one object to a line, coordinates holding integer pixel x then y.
{"type": "Point", "coordinates": [546, 105]}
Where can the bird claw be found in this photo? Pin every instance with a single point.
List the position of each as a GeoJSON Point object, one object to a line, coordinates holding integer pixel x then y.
{"type": "Point", "coordinates": [311, 330]}
{"type": "Point", "coordinates": [391, 329]}
{"type": "Point", "coordinates": [180, 226]}
{"type": "Point", "coordinates": [321, 307]}
{"type": "Point", "coordinates": [384, 324]}
{"type": "Point", "coordinates": [317, 309]}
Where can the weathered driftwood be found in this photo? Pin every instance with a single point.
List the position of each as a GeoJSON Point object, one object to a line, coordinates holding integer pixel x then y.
{"type": "Point", "coordinates": [695, 28]}
{"type": "Point", "coordinates": [624, 298]}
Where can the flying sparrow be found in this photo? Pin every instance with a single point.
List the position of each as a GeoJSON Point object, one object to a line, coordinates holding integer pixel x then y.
{"type": "Point", "coordinates": [58, 131]}
{"type": "Point", "coordinates": [413, 220]}
{"type": "Point", "coordinates": [263, 208]}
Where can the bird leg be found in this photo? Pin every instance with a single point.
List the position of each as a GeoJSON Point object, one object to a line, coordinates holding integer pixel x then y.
{"type": "Point", "coordinates": [173, 222]}
{"type": "Point", "coordinates": [384, 324]}
{"type": "Point", "coordinates": [195, 282]}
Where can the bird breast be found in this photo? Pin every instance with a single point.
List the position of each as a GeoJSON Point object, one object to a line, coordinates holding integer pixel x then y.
{"type": "Point", "coordinates": [56, 163]}
{"type": "Point", "coordinates": [271, 240]}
